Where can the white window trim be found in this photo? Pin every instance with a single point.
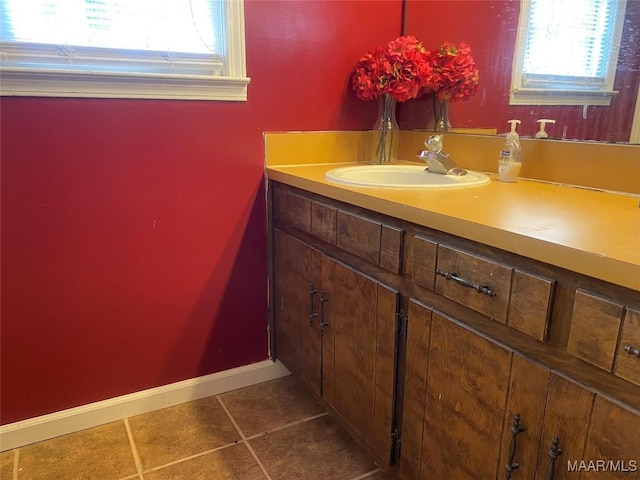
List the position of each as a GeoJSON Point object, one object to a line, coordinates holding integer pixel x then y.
{"type": "Point", "coordinates": [69, 83]}
{"type": "Point", "coordinates": [539, 96]}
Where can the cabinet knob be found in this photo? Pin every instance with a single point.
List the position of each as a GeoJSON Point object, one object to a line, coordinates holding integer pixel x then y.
{"type": "Point", "coordinates": [631, 350]}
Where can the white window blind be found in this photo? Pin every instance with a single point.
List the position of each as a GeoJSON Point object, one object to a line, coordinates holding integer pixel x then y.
{"type": "Point", "coordinates": [129, 48]}
{"type": "Point", "coordinates": [567, 51]}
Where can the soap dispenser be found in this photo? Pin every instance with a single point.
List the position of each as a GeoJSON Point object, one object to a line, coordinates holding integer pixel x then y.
{"type": "Point", "coordinates": [543, 123]}
{"type": "Point", "coordinates": [510, 163]}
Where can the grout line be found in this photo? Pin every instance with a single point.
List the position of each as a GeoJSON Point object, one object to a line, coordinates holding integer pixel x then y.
{"type": "Point", "coordinates": [368, 474]}
{"type": "Point", "coordinates": [244, 439]}
{"type": "Point", "coordinates": [297, 422]}
{"type": "Point", "coordinates": [191, 457]}
{"type": "Point", "coordinates": [134, 450]}
{"type": "Point", "coordinates": [16, 458]}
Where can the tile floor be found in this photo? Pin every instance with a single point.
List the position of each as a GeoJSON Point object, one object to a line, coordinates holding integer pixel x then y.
{"type": "Point", "coordinates": [274, 430]}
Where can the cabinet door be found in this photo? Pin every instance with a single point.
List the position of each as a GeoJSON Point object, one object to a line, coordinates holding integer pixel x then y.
{"type": "Point", "coordinates": [466, 395]}
{"type": "Point", "coordinates": [415, 388]}
{"type": "Point", "coordinates": [613, 445]}
{"type": "Point", "coordinates": [297, 342]}
{"type": "Point", "coordinates": [528, 387]}
{"type": "Point", "coordinates": [566, 421]}
{"type": "Point", "coordinates": [364, 342]}
{"type": "Point", "coordinates": [322, 276]}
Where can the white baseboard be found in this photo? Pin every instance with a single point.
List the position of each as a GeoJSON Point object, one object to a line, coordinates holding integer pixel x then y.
{"type": "Point", "coordinates": [36, 429]}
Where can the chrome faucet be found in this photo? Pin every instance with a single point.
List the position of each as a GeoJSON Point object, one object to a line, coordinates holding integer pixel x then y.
{"type": "Point", "coordinates": [438, 162]}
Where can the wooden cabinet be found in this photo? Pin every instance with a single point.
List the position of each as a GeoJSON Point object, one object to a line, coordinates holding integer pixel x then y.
{"type": "Point", "coordinates": [486, 412]}
{"type": "Point", "coordinates": [337, 330]}
{"type": "Point", "coordinates": [464, 405]}
{"type": "Point", "coordinates": [613, 442]}
{"type": "Point", "coordinates": [418, 333]}
{"type": "Point", "coordinates": [456, 384]}
{"type": "Point", "coordinates": [592, 436]}
{"type": "Point", "coordinates": [523, 419]}
{"type": "Point", "coordinates": [567, 414]}
{"type": "Point", "coordinates": [298, 341]}
{"type": "Point", "coordinates": [484, 364]}
{"type": "Point", "coordinates": [458, 404]}
{"type": "Point", "coordinates": [365, 316]}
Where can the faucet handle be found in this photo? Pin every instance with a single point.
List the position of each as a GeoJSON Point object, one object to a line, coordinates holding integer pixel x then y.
{"type": "Point", "coordinates": [434, 143]}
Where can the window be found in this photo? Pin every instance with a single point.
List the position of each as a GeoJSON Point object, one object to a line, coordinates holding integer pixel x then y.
{"type": "Point", "coordinates": [566, 52]}
{"type": "Point", "coordinates": [189, 49]}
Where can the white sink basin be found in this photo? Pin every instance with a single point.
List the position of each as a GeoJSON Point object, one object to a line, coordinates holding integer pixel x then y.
{"type": "Point", "coordinates": [402, 176]}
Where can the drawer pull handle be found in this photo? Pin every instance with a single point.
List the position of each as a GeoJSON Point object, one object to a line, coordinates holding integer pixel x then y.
{"type": "Point", "coordinates": [631, 350]}
{"type": "Point", "coordinates": [466, 283]}
{"type": "Point", "coordinates": [312, 314]}
{"type": "Point", "coordinates": [323, 322]}
{"type": "Point", "coordinates": [554, 452]}
{"type": "Point", "coordinates": [516, 429]}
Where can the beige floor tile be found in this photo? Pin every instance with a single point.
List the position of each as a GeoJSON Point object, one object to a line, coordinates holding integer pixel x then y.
{"type": "Point", "coordinates": [102, 452]}
{"type": "Point", "coordinates": [314, 450]}
{"type": "Point", "coordinates": [270, 404]}
{"type": "Point", "coordinates": [177, 432]}
{"type": "Point", "coordinates": [230, 463]}
{"type": "Point", "coordinates": [6, 465]}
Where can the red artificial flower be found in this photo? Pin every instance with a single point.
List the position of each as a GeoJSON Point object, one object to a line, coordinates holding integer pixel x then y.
{"type": "Point", "coordinates": [400, 71]}
{"type": "Point", "coordinates": [455, 76]}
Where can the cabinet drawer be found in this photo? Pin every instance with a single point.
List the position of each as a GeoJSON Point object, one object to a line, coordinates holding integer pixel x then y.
{"type": "Point", "coordinates": [370, 240]}
{"type": "Point", "coordinates": [291, 209]}
{"type": "Point", "coordinates": [323, 222]}
{"type": "Point", "coordinates": [627, 357]}
{"type": "Point", "coordinates": [391, 239]}
{"type": "Point", "coordinates": [595, 323]}
{"type": "Point", "coordinates": [359, 235]}
{"type": "Point", "coordinates": [530, 304]}
{"type": "Point", "coordinates": [424, 261]}
{"type": "Point", "coordinates": [476, 282]}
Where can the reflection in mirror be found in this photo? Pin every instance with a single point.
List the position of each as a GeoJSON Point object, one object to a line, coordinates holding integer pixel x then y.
{"type": "Point", "coordinates": [490, 28]}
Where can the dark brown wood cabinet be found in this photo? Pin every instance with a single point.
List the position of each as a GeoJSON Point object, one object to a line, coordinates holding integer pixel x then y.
{"type": "Point", "coordinates": [487, 412]}
{"type": "Point", "coordinates": [298, 341]}
{"type": "Point", "coordinates": [523, 419]}
{"type": "Point", "coordinates": [448, 359]}
{"type": "Point", "coordinates": [613, 443]}
{"type": "Point", "coordinates": [336, 329]}
{"type": "Point", "coordinates": [464, 405]}
{"type": "Point", "coordinates": [365, 317]}
{"type": "Point", "coordinates": [466, 390]}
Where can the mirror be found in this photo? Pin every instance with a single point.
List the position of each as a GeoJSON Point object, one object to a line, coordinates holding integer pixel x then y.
{"type": "Point", "coordinates": [490, 27]}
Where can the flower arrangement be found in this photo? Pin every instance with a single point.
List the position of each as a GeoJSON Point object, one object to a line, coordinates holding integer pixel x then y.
{"type": "Point", "coordinates": [405, 70]}
{"type": "Point", "coordinates": [394, 74]}
{"type": "Point", "coordinates": [400, 70]}
{"type": "Point", "coordinates": [454, 73]}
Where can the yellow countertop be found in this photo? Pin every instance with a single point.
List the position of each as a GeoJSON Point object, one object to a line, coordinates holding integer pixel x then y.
{"type": "Point", "coordinates": [596, 233]}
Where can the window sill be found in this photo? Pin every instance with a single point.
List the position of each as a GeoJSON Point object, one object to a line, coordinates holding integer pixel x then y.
{"type": "Point", "coordinates": [20, 82]}
{"type": "Point", "coordinates": [531, 96]}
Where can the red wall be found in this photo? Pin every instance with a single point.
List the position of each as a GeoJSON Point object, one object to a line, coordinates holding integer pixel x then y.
{"type": "Point", "coordinates": [133, 231]}
{"type": "Point", "coordinates": [489, 27]}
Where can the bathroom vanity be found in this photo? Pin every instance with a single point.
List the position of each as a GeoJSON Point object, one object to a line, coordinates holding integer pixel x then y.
{"type": "Point", "coordinates": [456, 342]}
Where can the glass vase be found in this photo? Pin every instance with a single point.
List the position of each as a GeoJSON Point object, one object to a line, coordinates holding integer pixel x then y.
{"type": "Point", "coordinates": [441, 112]}
{"type": "Point", "coordinates": [385, 132]}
